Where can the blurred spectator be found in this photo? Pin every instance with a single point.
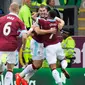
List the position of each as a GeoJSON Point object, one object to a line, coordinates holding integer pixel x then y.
{"type": "Point", "coordinates": [1, 12]}
{"type": "Point", "coordinates": [25, 16]}
{"type": "Point", "coordinates": [25, 55]}
{"type": "Point", "coordinates": [50, 5]}
{"type": "Point", "coordinates": [68, 14]}
{"type": "Point", "coordinates": [27, 52]}
{"type": "Point", "coordinates": [38, 2]}
{"type": "Point", "coordinates": [68, 44]}
{"type": "Point", "coordinates": [25, 13]}
{"type": "Point", "coordinates": [11, 28]}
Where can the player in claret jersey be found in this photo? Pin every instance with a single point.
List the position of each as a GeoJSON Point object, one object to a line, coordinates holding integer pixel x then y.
{"type": "Point", "coordinates": [37, 51]}
{"type": "Point", "coordinates": [44, 28]}
{"type": "Point", "coordinates": [52, 45]}
{"type": "Point", "coordinates": [10, 28]}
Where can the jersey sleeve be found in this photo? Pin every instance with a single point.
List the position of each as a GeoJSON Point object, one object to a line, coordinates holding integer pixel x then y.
{"type": "Point", "coordinates": [39, 20]}
{"type": "Point", "coordinates": [22, 29]}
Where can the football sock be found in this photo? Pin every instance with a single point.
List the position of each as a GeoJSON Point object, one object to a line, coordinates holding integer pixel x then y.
{"type": "Point", "coordinates": [30, 68]}
{"type": "Point", "coordinates": [56, 76]}
{"type": "Point", "coordinates": [8, 78]}
{"type": "Point", "coordinates": [29, 75]}
{"type": "Point", "coordinates": [60, 83]}
{"type": "Point", "coordinates": [63, 64]}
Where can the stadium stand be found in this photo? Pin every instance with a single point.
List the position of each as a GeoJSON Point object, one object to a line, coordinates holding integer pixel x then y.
{"type": "Point", "coordinates": [81, 21]}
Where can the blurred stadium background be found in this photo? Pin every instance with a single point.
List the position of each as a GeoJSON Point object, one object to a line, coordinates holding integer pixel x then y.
{"type": "Point", "coordinates": [81, 17]}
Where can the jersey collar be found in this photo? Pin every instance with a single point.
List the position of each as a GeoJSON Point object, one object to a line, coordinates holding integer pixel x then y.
{"type": "Point", "coordinates": [51, 20]}
{"type": "Point", "coordinates": [13, 14]}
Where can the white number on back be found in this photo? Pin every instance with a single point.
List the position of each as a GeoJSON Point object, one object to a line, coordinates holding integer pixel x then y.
{"type": "Point", "coordinates": [7, 29]}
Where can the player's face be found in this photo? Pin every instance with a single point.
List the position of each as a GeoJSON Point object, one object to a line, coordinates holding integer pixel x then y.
{"type": "Point", "coordinates": [43, 12]}
{"type": "Point", "coordinates": [64, 35]}
{"type": "Point", "coordinates": [28, 2]}
{"type": "Point", "coordinates": [52, 3]}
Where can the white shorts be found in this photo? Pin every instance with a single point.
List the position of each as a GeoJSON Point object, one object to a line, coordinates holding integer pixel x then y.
{"type": "Point", "coordinates": [37, 50]}
{"type": "Point", "coordinates": [11, 57]}
{"type": "Point", "coordinates": [54, 52]}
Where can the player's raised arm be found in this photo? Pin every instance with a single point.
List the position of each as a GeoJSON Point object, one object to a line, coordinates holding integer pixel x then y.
{"type": "Point", "coordinates": [61, 22]}
{"type": "Point", "coordinates": [34, 16]}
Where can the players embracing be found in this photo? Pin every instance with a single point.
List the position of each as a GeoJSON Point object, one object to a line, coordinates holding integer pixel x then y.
{"type": "Point", "coordinates": [46, 32]}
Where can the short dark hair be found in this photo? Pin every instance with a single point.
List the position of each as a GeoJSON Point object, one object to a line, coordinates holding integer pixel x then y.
{"type": "Point", "coordinates": [41, 6]}
{"type": "Point", "coordinates": [52, 13]}
{"type": "Point", "coordinates": [66, 31]}
{"type": "Point", "coordinates": [48, 8]}
{"type": "Point", "coordinates": [47, 2]}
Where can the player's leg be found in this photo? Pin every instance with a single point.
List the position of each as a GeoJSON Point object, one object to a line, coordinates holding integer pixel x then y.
{"type": "Point", "coordinates": [1, 67]}
{"type": "Point", "coordinates": [29, 70]}
{"type": "Point", "coordinates": [27, 52]}
{"type": "Point", "coordinates": [63, 68]}
{"type": "Point", "coordinates": [55, 74]}
{"type": "Point", "coordinates": [2, 61]}
{"type": "Point", "coordinates": [51, 58]}
{"type": "Point", "coordinates": [37, 55]}
{"type": "Point", "coordinates": [9, 74]}
{"type": "Point", "coordinates": [20, 76]}
{"type": "Point", "coordinates": [35, 66]}
{"type": "Point", "coordinates": [37, 62]}
{"type": "Point", "coordinates": [63, 62]}
{"type": "Point", "coordinates": [11, 61]}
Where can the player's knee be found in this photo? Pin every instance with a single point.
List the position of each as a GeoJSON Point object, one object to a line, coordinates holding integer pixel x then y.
{"type": "Point", "coordinates": [36, 66]}
{"type": "Point", "coordinates": [52, 66]}
{"type": "Point", "coordinates": [64, 64]}
{"type": "Point", "coordinates": [10, 67]}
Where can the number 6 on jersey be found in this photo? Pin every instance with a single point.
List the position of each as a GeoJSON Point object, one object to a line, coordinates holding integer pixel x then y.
{"type": "Point", "coordinates": [7, 29]}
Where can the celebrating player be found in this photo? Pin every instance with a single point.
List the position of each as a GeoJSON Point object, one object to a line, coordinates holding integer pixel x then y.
{"type": "Point", "coordinates": [37, 54]}
{"type": "Point", "coordinates": [10, 27]}
{"type": "Point", "coordinates": [30, 69]}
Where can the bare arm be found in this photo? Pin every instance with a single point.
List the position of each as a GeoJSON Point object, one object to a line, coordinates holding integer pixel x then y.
{"type": "Point", "coordinates": [24, 37]}
{"type": "Point", "coordinates": [34, 16]}
{"type": "Point", "coordinates": [30, 31]}
{"type": "Point", "coordinates": [35, 27]}
{"type": "Point", "coordinates": [61, 23]}
{"type": "Point", "coordinates": [42, 32]}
